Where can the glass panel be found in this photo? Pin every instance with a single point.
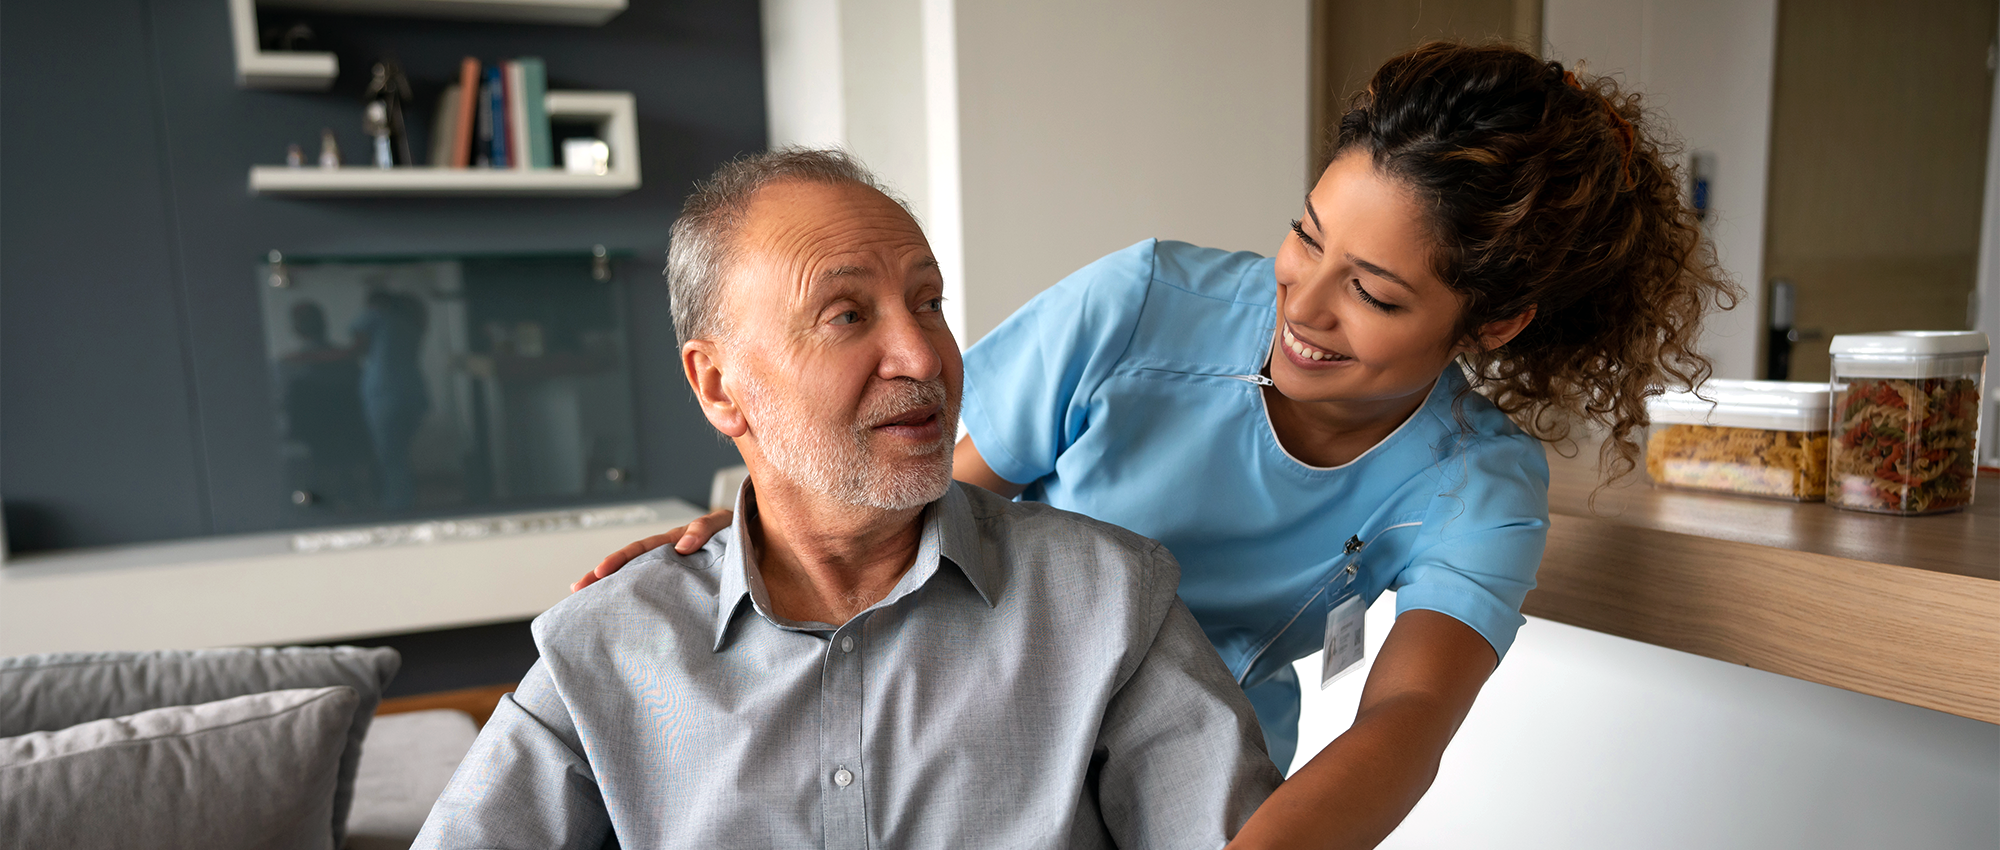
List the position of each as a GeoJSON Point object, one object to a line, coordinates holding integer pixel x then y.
{"type": "Point", "coordinates": [428, 384]}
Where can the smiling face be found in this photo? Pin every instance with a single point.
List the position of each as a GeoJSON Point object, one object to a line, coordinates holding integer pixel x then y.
{"type": "Point", "coordinates": [1363, 320]}
{"type": "Point", "coordinates": [838, 374]}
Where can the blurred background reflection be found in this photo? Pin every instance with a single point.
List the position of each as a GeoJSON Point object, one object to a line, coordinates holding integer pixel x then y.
{"type": "Point", "coordinates": [434, 383]}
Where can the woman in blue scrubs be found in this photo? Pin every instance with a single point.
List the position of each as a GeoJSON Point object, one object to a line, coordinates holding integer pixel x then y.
{"type": "Point", "coordinates": [1496, 250]}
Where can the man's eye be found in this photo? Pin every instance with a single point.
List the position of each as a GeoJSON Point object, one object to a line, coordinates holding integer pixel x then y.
{"type": "Point", "coordinates": [847, 318]}
{"type": "Point", "coordinates": [933, 305]}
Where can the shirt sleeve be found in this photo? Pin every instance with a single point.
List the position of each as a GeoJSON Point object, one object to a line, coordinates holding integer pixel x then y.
{"type": "Point", "coordinates": [1181, 760]}
{"type": "Point", "coordinates": [1028, 382]}
{"type": "Point", "coordinates": [1484, 537]}
{"type": "Point", "coordinates": [524, 784]}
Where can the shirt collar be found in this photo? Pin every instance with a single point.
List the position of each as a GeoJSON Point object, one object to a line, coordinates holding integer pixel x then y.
{"type": "Point", "coordinates": [950, 535]}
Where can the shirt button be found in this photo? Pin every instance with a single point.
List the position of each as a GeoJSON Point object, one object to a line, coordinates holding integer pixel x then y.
{"type": "Point", "coordinates": [843, 777]}
{"type": "Point", "coordinates": [847, 643]}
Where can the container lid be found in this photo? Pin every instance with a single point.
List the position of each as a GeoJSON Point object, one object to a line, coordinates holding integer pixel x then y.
{"type": "Point", "coordinates": [1909, 344]}
{"type": "Point", "coordinates": [1908, 354]}
{"type": "Point", "coordinates": [1770, 405]}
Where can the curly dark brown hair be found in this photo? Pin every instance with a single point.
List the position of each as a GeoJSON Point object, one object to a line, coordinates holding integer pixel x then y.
{"type": "Point", "coordinates": [1551, 192]}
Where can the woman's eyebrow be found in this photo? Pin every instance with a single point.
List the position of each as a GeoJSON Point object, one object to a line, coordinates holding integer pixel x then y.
{"type": "Point", "coordinates": [1369, 267]}
{"type": "Point", "coordinates": [1382, 273]}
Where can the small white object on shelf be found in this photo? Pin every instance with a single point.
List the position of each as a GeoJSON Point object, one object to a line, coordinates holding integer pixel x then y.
{"type": "Point", "coordinates": [615, 113]}
{"type": "Point", "coordinates": [586, 156]}
{"type": "Point", "coordinates": [257, 68]}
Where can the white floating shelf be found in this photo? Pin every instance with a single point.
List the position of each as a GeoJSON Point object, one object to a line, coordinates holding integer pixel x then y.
{"type": "Point", "coordinates": [257, 68]}
{"type": "Point", "coordinates": [588, 13]}
{"type": "Point", "coordinates": [614, 112]}
{"type": "Point", "coordinates": [363, 181]}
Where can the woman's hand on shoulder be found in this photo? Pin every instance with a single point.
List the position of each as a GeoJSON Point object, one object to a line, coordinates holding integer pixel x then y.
{"type": "Point", "coordinates": [685, 540]}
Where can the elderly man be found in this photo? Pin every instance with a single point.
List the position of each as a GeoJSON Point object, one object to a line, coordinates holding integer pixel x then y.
{"type": "Point", "coordinates": [872, 655]}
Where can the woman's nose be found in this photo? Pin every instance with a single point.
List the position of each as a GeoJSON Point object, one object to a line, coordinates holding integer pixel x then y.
{"type": "Point", "coordinates": [1309, 300]}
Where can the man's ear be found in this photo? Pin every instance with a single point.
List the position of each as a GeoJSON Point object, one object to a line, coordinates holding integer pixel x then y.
{"type": "Point", "coordinates": [700, 360]}
{"type": "Point", "coordinates": [1500, 332]}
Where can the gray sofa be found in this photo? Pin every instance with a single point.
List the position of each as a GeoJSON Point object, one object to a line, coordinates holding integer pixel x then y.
{"type": "Point", "coordinates": [252, 748]}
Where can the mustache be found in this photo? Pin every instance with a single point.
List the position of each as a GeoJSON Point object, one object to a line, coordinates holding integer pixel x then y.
{"type": "Point", "coordinates": [903, 395]}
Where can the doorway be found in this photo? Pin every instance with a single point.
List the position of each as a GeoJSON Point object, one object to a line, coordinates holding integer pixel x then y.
{"type": "Point", "coordinates": [1352, 38]}
{"type": "Point", "coordinates": [1878, 162]}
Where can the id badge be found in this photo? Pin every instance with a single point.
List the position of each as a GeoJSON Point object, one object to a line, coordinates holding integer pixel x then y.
{"type": "Point", "coordinates": [1344, 640]}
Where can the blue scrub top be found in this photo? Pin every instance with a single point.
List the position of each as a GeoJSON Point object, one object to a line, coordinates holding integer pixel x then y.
{"type": "Point", "coordinates": [1128, 393]}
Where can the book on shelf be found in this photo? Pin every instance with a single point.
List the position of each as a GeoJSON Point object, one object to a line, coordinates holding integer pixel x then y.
{"type": "Point", "coordinates": [482, 142]}
{"type": "Point", "coordinates": [444, 127]}
{"type": "Point", "coordinates": [496, 104]}
{"type": "Point", "coordinates": [495, 116]}
{"type": "Point", "coordinates": [518, 156]}
{"type": "Point", "coordinates": [468, 111]}
{"type": "Point", "coordinates": [535, 89]}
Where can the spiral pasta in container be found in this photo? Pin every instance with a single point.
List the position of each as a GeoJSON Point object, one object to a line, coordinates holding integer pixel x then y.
{"type": "Point", "coordinates": [1754, 438]}
{"type": "Point", "coordinates": [1905, 420]}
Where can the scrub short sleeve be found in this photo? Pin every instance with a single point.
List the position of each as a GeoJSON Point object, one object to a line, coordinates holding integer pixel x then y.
{"type": "Point", "coordinates": [1028, 383]}
{"type": "Point", "coordinates": [1483, 538]}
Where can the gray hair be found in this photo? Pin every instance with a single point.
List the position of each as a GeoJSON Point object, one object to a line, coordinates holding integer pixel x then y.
{"type": "Point", "coordinates": [704, 236]}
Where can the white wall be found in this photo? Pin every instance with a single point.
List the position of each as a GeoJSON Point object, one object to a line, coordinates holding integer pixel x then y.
{"type": "Point", "coordinates": [1587, 741]}
{"type": "Point", "coordinates": [1706, 66]}
{"type": "Point", "coordinates": [876, 77]}
{"type": "Point", "coordinates": [1033, 137]}
{"type": "Point", "coordinates": [1988, 290]}
{"type": "Point", "coordinates": [1086, 127]}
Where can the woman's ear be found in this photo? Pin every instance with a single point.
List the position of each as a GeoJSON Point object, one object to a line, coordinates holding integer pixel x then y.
{"type": "Point", "coordinates": [1498, 333]}
{"type": "Point", "coordinates": [700, 360]}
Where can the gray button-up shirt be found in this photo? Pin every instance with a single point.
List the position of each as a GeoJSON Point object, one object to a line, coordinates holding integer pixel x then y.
{"type": "Point", "coordinates": [1032, 681]}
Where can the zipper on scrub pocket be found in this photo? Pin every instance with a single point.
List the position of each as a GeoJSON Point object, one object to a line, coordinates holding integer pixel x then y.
{"type": "Point", "coordinates": [1349, 552]}
{"type": "Point", "coordinates": [1344, 577]}
{"type": "Point", "coordinates": [1259, 380]}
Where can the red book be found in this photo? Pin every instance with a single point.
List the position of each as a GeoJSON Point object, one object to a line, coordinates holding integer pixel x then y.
{"type": "Point", "coordinates": [468, 108]}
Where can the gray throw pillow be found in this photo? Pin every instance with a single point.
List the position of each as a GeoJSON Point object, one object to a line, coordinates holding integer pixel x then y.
{"type": "Point", "coordinates": [57, 691]}
{"type": "Point", "coordinates": [254, 771]}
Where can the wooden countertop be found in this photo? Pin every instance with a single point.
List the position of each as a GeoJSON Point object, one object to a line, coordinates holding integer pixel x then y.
{"type": "Point", "coordinates": [1906, 608]}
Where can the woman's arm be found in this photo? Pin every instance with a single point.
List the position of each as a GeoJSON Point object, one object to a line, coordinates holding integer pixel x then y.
{"type": "Point", "coordinates": [969, 467]}
{"type": "Point", "coordinates": [1355, 792]}
{"type": "Point", "coordinates": [966, 466]}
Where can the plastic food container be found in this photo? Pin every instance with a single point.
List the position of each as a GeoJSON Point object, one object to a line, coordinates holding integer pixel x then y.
{"type": "Point", "coordinates": [1905, 420]}
{"type": "Point", "coordinates": [1756, 438]}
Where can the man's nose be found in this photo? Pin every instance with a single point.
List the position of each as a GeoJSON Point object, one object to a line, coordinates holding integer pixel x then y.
{"type": "Point", "coordinates": [909, 351]}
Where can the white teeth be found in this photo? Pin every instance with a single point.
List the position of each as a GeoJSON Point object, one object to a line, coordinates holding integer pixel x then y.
{"type": "Point", "coordinates": [1302, 350]}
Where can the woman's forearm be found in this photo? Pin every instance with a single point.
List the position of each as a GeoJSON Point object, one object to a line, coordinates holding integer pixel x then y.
{"type": "Point", "coordinates": [1354, 792]}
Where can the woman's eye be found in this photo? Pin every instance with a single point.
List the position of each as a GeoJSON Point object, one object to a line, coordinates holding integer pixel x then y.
{"type": "Point", "coordinates": [1299, 230]}
{"type": "Point", "coordinates": [1372, 301]}
{"type": "Point", "coordinates": [847, 318]}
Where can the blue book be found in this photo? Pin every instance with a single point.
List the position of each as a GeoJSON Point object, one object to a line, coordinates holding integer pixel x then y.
{"type": "Point", "coordinates": [496, 105]}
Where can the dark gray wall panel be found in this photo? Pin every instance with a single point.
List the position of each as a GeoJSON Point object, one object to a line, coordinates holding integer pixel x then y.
{"type": "Point", "coordinates": [97, 441]}
{"type": "Point", "coordinates": [695, 69]}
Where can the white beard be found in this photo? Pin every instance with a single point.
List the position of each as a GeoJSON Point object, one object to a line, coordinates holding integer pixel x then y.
{"type": "Point", "coordinates": [838, 462]}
